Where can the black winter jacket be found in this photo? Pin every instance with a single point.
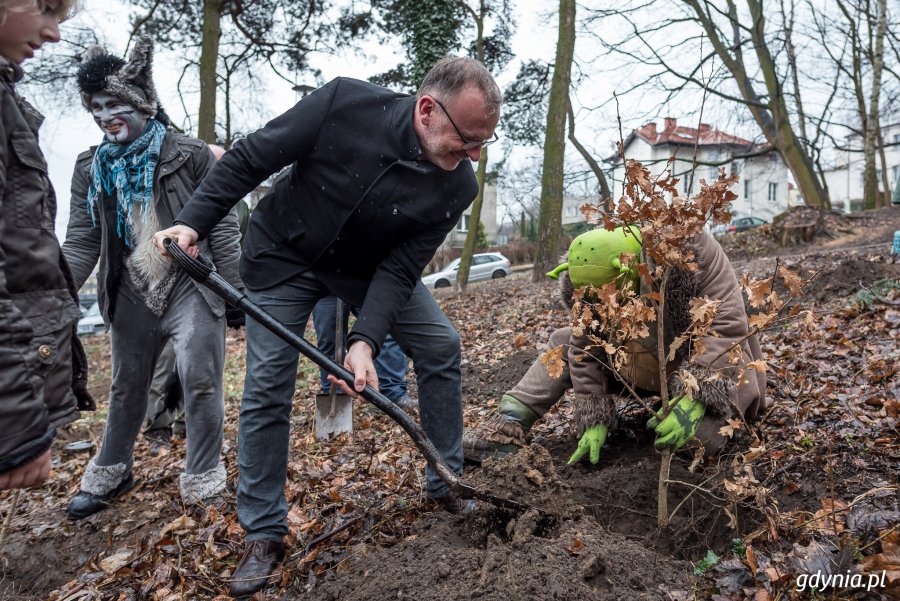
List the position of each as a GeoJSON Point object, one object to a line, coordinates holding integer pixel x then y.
{"type": "Point", "coordinates": [359, 205]}
{"type": "Point", "coordinates": [36, 305]}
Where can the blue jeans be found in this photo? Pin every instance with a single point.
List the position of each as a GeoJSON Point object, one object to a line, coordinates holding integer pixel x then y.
{"type": "Point", "coordinates": [390, 364]}
{"type": "Point", "coordinates": [422, 331]}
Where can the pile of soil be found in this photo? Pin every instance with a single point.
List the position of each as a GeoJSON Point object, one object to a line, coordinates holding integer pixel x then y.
{"type": "Point", "coordinates": [556, 549]}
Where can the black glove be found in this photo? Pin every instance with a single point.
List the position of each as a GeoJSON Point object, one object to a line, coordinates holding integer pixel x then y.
{"type": "Point", "coordinates": [234, 317]}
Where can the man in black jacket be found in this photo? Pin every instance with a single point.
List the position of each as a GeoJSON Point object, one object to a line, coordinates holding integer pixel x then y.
{"type": "Point", "coordinates": [376, 181]}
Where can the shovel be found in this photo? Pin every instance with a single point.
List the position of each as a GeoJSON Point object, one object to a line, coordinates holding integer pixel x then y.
{"type": "Point", "coordinates": [203, 271]}
{"type": "Point", "coordinates": [334, 410]}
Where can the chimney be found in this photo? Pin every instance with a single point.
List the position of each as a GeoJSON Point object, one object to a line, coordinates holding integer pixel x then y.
{"type": "Point", "coordinates": [648, 130]}
{"type": "Point", "coordinates": [671, 123]}
{"type": "Point", "coordinates": [705, 127]}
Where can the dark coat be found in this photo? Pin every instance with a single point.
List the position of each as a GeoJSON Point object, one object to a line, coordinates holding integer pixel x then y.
{"type": "Point", "coordinates": [183, 162]}
{"type": "Point", "coordinates": [37, 308]}
{"type": "Point", "coordinates": [359, 206]}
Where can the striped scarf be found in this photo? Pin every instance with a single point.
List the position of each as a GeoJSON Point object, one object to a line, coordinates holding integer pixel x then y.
{"type": "Point", "coordinates": [127, 170]}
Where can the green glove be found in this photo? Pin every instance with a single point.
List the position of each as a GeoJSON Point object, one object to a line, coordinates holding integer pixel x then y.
{"type": "Point", "coordinates": [592, 440]}
{"type": "Point", "coordinates": [680, 425]}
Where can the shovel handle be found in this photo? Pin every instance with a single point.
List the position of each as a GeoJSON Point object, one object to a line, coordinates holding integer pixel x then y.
{"type": "Point", "coordinates": [203, 271]}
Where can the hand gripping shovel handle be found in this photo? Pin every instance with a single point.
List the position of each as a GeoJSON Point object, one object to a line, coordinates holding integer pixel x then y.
{"type": "Point", "coordinates": [203, 271]}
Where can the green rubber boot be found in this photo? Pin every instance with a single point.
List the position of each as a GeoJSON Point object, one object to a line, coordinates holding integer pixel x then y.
{"type": "Point", "coordinates": [502, 433]}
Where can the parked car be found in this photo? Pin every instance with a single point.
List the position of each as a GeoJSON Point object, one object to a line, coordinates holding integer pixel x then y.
{"type": "Point", "coordinates": [91, 322]}
{"type": "Point", "coordinates": [738, 225]}
{"type": "Point", "coordinates": [485, 266]}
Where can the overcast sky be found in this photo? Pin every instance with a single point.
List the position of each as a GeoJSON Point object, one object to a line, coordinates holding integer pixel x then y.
{"type": "Point", "coordinates": [67, 133]}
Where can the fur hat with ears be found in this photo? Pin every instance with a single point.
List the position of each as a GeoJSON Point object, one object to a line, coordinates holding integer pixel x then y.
{"type": "Point", "coordinates": [130, 82]}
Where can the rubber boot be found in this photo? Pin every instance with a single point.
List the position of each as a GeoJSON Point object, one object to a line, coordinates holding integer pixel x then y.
{"type": "Point", "coordinates": [502, 433]}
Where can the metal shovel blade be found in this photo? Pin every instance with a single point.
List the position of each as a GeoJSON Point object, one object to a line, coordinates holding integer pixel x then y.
{"type": "Point", "coordinates": [334, 410]}
{"type": "Point", "coordinates": [334, 414]}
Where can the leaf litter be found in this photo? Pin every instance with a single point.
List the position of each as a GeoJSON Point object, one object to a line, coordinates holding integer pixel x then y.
{"type": "Point", "coordinates": [812, 486]}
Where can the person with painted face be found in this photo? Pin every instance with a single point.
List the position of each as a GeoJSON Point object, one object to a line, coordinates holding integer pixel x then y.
{"type": "Point", "coordinates": [43, 370]}
{"type": "Point", "coordinates": [376, 180]}
{"type": "Point", "coordinates": [123, 191]}
{"type": "Point", "coordinates": [594, 259]}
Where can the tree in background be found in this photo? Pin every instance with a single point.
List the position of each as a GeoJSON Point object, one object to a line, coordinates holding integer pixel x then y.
{"type": "Point", "coordinates": [860, 58]}
{"type": "Point", "coordinates": [550, 227]}
{"type": "Point", "coordinates": [221, 38]}
{"type": "Point", "coordinates": [428, 30]}
{"type": "Point", "coordinates": [431, 29]}
{"type": "Point", "coordinates": [494, 52]}
{"type": "Point", "coordinates": [806, 73]}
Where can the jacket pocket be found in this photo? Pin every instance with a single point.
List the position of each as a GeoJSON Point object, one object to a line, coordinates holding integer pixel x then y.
{"type": "Point", "coordinates": [400, 210]}
{"type": "Point", "coordinates": [29, 183]}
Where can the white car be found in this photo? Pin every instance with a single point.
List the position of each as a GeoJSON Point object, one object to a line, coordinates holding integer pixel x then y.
{"type": "Point", "coordinates": [485, 266]}
{"type": "Point", "coordinates": [91, 322]}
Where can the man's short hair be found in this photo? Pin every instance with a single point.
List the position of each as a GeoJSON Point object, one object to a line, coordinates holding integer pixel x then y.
{"type": "Point", "coordinates": [65, 8]}
{"type": "Point", "coordinates": [451, 74]}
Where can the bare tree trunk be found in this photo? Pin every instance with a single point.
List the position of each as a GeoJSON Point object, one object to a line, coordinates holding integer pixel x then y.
{"type": "Point", "coordinates": [555, 145]}
{"type": "Point", "coordinates": [885, 178]}
{"type": "Point", "coordinates": [462, 276]}
{"type": "Point", "coordinates": [465, 260]}
{"type": "Point", "coordinates": [605, 196]}
{"type": "Point", "coordinates": [209, 56]}
{"type": "Point", "coordinates": [870, 180]}
{"type": "Point", "coordinates": [227, 140]}
{"type": "Point", "coordinates": [772, 115]}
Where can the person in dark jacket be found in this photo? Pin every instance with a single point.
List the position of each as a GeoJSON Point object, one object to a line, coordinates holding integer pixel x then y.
{"type": "Point", "coordinates": [390, 364]}
{"type": "Point", "coordinates": [134, 183]}
{"type": "Point", "coordinates": [38, 307]}
{"type": "Point", "coordinates": [376, 181]}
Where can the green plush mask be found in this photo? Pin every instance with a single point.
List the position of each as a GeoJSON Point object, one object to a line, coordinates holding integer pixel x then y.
{"type": "Point", "coordinates": [594, 256]}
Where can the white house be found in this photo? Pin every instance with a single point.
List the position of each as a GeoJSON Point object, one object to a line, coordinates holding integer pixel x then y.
{"type": "Point", "coordinates": [572, 208]}
{"type": "Point", "coordinates": [845, 179]}
{"type": "Point", "coordinates": [763, 187]}
{"type": "Point", "coordinates": [457, 236]}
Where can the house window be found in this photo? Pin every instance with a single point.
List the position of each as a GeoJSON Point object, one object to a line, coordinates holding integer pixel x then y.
{"type": "Point", "coordinates": [773, 191]}
{"type": "Point", "coordinates": [747, 189]}
{"type": "Point", "coordinates": [463, 225]}
{"type": "Point", "coordinates": [896, 138]}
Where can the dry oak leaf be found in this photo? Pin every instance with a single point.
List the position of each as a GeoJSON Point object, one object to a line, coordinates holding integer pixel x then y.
{"type": "Point", "coordinates": [888, 561]}
{"type": "Point", "coordinates": [757, 290]}
{"type": "Point", "coordinates": [112, 563]}
{"type": "Point", "coordinates": [792, 281]}
{"type": "Point", "coordinates": [729, 429]}
{"type": "Point", "coordinates": [553, 361]}
{"type": "Point", "coordinates": [703, 310]}
{"type": "Point", "coordinates": [759, 365]}
{"type": "Point", "coordinates": [830, 519]}
{"type": "Point", "coordinates": [181, 523]}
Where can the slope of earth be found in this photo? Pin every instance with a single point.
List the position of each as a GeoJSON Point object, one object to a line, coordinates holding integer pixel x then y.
{"type": "Point", "coordinates": [812, 487]}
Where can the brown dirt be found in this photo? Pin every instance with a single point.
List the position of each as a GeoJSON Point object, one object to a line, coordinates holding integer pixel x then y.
{"type": "Point", "coordinates": [556, 550]}
{"type": "Point", "coordinates": [591, 534]}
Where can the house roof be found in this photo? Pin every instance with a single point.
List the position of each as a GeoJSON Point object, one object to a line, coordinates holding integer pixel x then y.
{"type": "Point", "coordinates": [673, 134]}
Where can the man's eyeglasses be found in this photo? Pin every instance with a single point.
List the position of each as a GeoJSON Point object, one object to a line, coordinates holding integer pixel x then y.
{"type": "Point", "coordinates": [467, 144]}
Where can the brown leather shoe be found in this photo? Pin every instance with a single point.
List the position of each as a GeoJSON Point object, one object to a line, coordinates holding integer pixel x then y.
{"type": "Point", "coordinates": [255, 569]}
{"type": "Point", "coordinates": [453, 504]}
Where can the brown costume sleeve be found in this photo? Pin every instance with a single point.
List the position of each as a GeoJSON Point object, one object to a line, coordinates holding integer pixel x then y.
{"type": "Point", "coordinates": [593, 405]}
{"type": "Point", "coordinates": [717, 281]}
